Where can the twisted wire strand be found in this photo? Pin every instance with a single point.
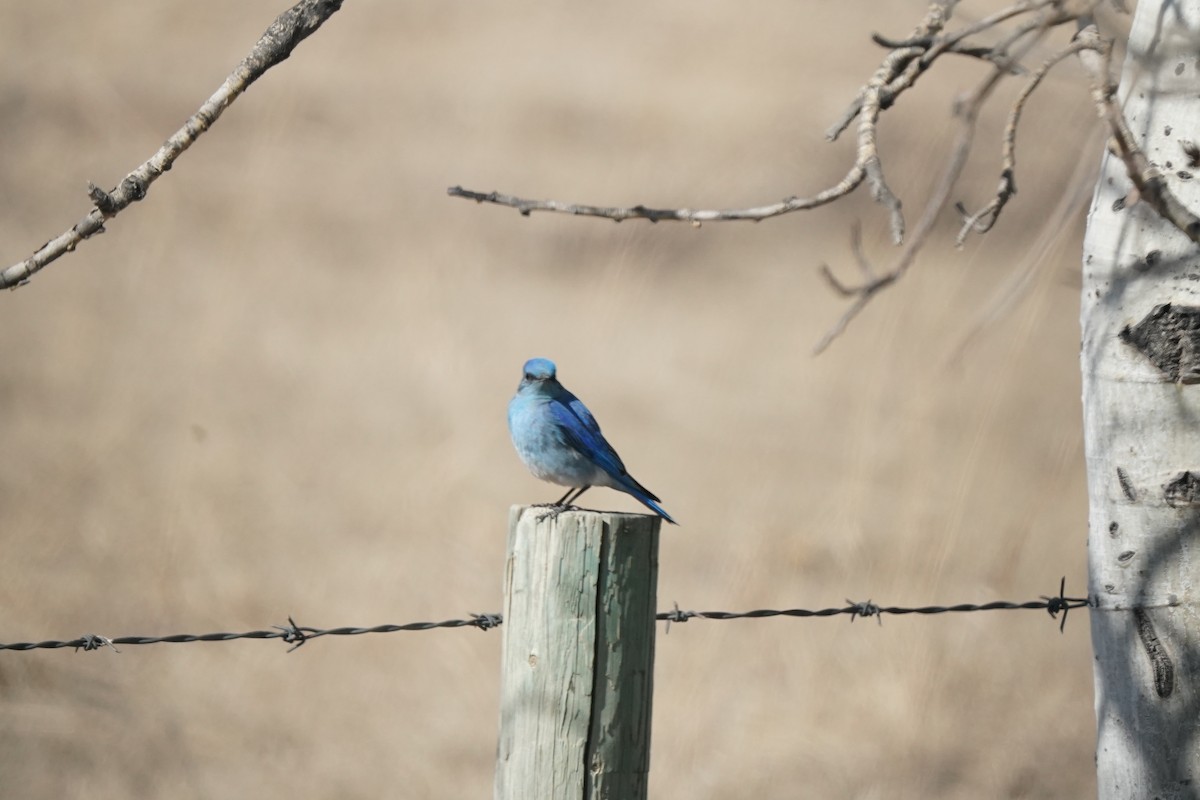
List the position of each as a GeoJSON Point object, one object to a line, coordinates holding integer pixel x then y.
{"type": "Point", "coordinates": [297, 635]}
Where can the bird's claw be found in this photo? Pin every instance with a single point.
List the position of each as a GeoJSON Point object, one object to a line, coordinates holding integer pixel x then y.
{"type": "Point", "coordinates": [553, 510]}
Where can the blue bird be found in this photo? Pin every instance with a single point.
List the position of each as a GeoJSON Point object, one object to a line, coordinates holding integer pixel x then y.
{"type": "Point", "coordinates": [560, 441]}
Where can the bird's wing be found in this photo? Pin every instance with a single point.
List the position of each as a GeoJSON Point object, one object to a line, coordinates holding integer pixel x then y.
{"type": "Point", "coordinates": [576, 405]}
{"type": "Point", "coordinates": [580, 431]}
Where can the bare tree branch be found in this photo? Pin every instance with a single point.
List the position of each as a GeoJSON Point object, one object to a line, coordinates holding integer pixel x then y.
{"type": "Point", "coordinates": [696, 216]}
{"type": "Point", "coordinates": [983, 219]}
{"type": "Point", "coordinates": [1053, 230]}
{"type": "Point", "coordinates": [933, 47]}
{"type": "Point", "coordinates": [276, 44]}
{"type": "Point", "coordinates": [968, 111]}
{"type": "Point", "coordinates": [1021, 26]}
{"type": "Point", "coordinates": [861, 294]}
{"type": "Point", "coordinates": [955, 39]}
{"type": "Point", "coordinates": [1147, 178]}
{"type": "Point", "coordinates": [895, 74]}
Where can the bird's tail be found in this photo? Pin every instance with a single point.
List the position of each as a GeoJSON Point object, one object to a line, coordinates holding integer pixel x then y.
{"type": "Point", "coordinates": [645, 497]}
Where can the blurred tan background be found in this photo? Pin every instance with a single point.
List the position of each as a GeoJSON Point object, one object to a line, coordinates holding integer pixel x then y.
{"type": "Point", "coordinates": [277, 387]}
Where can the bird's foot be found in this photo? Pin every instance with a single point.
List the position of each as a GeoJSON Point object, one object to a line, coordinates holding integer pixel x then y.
{"type": "Point", "coordinates": [552, 510]}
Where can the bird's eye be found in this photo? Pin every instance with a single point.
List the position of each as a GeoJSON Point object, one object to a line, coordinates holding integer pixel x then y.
{"type": "Point", "coordinates": [528, 376]}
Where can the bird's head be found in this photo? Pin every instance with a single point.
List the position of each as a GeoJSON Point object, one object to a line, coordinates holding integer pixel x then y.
{"type": "Point", "coordinates": [539, 372]}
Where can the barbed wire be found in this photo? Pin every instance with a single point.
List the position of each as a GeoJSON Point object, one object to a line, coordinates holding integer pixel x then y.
{"type": "Point", "coordinates": [1053, 605]}
{"type": "Point", "coordinates": [297, 635]}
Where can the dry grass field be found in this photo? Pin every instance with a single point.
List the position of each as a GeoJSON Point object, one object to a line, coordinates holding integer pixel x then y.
{"type": "Point", "coordinates": [277, 387]}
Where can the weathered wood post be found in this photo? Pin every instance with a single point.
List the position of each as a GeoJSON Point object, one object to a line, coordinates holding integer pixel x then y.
{"type": "Point", "coordinates": [578, 655]}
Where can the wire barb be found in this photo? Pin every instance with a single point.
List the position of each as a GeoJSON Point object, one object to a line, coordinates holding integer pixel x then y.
{"type": "Point", "coordinates": [292, 634]}
{"type": "Point", "coordinates": [867, 609]}
{"type": "Point", "coordinates": [485, 622]}
{"type": "Point", "coordinates": [675, 615]}
{"type": "Point", "coordinates": [1062, 603]}
{"type": "Point", "coordinates": [91, 641]}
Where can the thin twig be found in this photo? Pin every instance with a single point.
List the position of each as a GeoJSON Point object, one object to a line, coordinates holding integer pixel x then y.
{"type": "Point", "coordinates": [618, 213]}
{"type": "Point", "coordinates": [276, 44]}
{"type": "Point", "coordinates": [935, 46]}
{"type": "Point", "coordinates": [1055, 227]}
{"type": "Point", "coordinates": [907, 59]}
{"type": "Point", "coordinates": [968, 114]}
{"type": "Point", "coordinates": [868, 124]}
{"type": "Point", "coordinates": [885, 84]}
{"type": "Point", "coordinates": [919, 40]}
{"type": "Point", "coordinates": [983, 219]}
{"type": "Point", "coordinates": [992, 20]}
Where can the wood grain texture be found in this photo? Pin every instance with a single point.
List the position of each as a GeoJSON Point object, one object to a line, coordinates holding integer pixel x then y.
{"type": "Point", "coordinates": [578, 655]}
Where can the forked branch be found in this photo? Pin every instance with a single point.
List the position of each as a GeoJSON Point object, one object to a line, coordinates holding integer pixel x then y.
{"type": "Point", "coordinates": [895, 74]}
{"type": "Point", "coordinates": [1015, 30]}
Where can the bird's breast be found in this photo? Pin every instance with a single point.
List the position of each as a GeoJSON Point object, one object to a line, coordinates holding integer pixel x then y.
{"type": "Point", "coordinates": [542, 446]}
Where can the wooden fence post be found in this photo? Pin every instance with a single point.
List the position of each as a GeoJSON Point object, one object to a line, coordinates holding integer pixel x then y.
{"type": "Point", "coordinates": [578, 655]}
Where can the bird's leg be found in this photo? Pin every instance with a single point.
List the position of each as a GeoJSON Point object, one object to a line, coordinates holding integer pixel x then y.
{"type": "Point", "coordinates": [564, 503]}
{"type": "Point", "coordinates": [560, 503]}
{"type": "Point", "coordinates": [570, 497]}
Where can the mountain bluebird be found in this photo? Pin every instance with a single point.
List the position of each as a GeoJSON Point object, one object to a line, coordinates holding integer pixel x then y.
{"type": "Point", "coordinates": [560, 441]}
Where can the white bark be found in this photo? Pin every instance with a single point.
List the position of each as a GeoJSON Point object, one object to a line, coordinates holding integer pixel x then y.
{"type": "Point", "coordinates": [1141, 364]}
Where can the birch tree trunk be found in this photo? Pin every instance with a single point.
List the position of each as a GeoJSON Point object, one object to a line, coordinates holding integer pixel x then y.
{"type": "Point", "coordinates": [1141, 398]}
